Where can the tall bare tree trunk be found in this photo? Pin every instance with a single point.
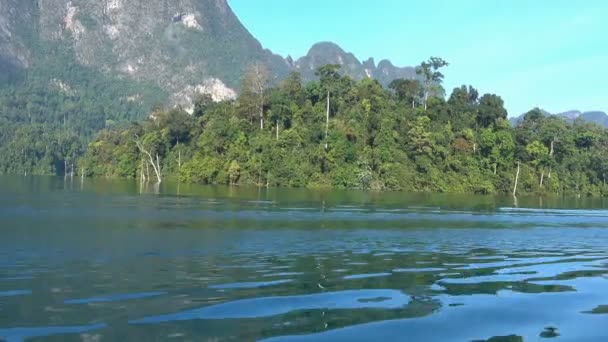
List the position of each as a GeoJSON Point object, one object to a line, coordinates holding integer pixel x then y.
{"type": "Point", "coordinates": [327, 117]}
{"type": "Point", "coordinates": [277, 130]}
{"type": "Point", "coordinates": [516, 179]}
{"type": "Point", "coordinates": [157, 169]}
{"type": "Point", "coordinates": [179, 156]}
{"type": "Point", "coordinates": [542, 178]}
{"type": "Point", "coordinates": [426, 97]}
{"type": "Point", "coordinates": [495, 168]}
{"type": "Point", "coordinates": [327, 121]}
{"type": "Point", "coordinates": [143, 175]}
{"type": "Point", "coordinates": [256, 80]}
{"type": "Point", "coordinates": [262, 117]}
{"type": "Point", "coordinates": [551, 154]}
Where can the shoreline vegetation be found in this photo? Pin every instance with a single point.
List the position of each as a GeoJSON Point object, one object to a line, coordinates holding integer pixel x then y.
{"type": "Point", "coordinates": [341, 133]}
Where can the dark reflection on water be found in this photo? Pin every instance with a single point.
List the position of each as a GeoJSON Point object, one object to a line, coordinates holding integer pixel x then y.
{"type": "Point", "coordinates": [272, 306]}
{"type": "Point", "coordinates": [21, 334]}
{"type": "Point", "coordinates": [510, 338]}
{"type": "Point", "coordinates": [114, 298]}
{"type": "Point", "coordinates": [102, 261]}
{"type": "Point", "coordinates": [599, 310]}
{"type": "Point", "coordinates": [549, 332]}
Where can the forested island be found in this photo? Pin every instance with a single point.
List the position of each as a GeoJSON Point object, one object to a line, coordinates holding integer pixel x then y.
{"type": "Point", "coordinates": [334, 133]}
{"type": "Point", "coordinates": [340, 133]}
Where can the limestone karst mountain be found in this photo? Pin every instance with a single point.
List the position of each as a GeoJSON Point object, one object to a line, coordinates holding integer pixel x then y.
{"type": "Point", "coordinates": [180, 48]}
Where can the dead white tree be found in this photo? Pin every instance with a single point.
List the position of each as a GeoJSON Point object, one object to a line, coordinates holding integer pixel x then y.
{"type": "Point", "coordinates": [142, 174]}
{"type": "Point", "coordinates": [256, 82]}
{"type": "Point", "coordinates": [155, 163]}
{"type": "Point", "coordinates": [429, 72]}
{"type": "Point", "coordinates": [551, 152]}
{"type": "Point", "coordinates": [179, 156]}
{"type": "Point", "coordinates": [516, 179]}
{"type": "Point", "coordinates": [147, 169]}
{"type": "Point", "coordinates": [327, 121]}
{"type": "Point", "coordinates": [542, 178]}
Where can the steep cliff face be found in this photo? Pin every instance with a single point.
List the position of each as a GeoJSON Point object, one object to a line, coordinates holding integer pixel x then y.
{"type": "Point", "coordinates": [184, 47]}
{"type": "Point", "coordinates": [14, 53]}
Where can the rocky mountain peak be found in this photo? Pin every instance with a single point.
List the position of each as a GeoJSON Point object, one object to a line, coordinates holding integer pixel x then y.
{"type": "Point", "coordinates": [330, 53]}
{"type": "Point", "coordinates": [184, 47]}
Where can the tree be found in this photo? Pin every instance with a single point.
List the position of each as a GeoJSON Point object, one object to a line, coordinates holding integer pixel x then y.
{"type": "Point", "coordinates": [421, 142]}
{"type": "Point", "coordinates": [430, 74]}
{"type": "Point", "coordinates": [491, 109]}
{"type": "Point", "coordinates": [255, 82]}
{"type": "Point", "coordinates": [407, 90]}
{"type": "Point", "coordinates": [176, 125]}
{"type": "Point", "coordinates": [551, 131]}
{"type": "Point", "coordinates": [234, 172]}
{"type": "Point", "coordinates": [538, 154]}
{"type": "Point", "coordinates": [497, 146]}
{"type": "Point", "coordinates": [534, 116]}
{"type": "Point", "coordinates": [329, 77]}
{"type": "Point", "coordinates": [148, 145]}
{"type": "Point", "coordinates": [202, 104]}
{"type": "Point", "coordinates": [462, 107]}
{"type": "Point", "coordinates": [292, 88]}
{"type": "Point", "coordinates": [464, 96]}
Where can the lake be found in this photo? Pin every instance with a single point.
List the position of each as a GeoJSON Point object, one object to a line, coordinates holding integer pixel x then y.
{"type": "Point", "coordinates": [113, 261]}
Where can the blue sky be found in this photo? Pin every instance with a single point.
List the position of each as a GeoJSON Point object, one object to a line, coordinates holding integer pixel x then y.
{"type": "Point", "coordinates": [547, 53]}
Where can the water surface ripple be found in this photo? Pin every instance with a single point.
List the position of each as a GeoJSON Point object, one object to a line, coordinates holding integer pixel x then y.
{"type": "Point", "coordinates": [105, 262]}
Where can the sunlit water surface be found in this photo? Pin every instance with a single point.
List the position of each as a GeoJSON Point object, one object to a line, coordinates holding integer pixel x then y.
{"type": "Point", "coordinates": [110, 261]}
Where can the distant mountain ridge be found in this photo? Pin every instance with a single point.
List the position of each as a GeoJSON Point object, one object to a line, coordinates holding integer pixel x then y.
{"type": "Point", "coordinates": [324, 53]}
{"type": "Point", "coordinates": [597, 117]}
{"type": "Point", "coordinates": [184, 47]}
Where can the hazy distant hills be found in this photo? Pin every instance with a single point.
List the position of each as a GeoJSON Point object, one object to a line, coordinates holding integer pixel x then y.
{"type": "Point", "coordinates": [598, 117]}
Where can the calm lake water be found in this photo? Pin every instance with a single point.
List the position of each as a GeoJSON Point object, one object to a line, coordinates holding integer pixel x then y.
{"type": "Point", "coordinates": [108, 261]}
